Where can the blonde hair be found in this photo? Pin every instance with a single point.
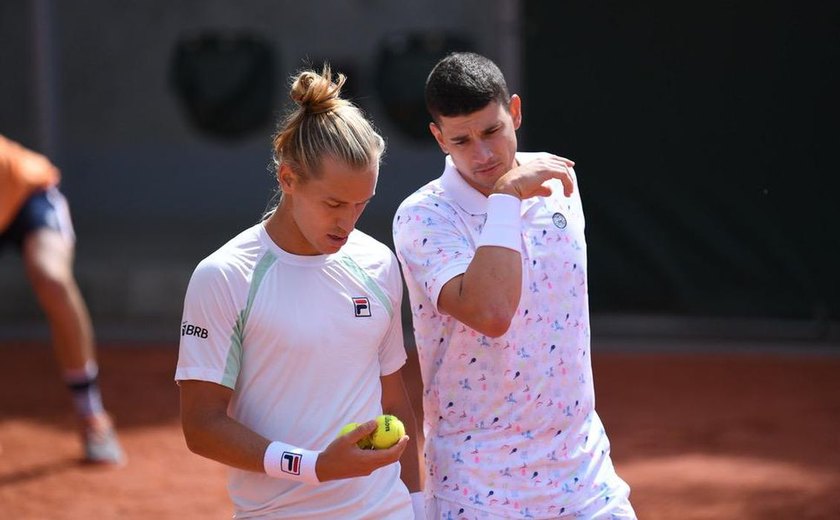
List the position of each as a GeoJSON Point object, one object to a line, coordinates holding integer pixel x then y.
{"type": "Point", "coordinates": [324, 124]}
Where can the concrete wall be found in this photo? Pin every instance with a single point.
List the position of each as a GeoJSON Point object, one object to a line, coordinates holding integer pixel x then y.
{"type": "Point", "coordinates": [150, 195]}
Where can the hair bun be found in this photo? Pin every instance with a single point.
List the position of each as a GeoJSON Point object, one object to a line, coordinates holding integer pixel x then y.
{"type": "Point", "coordinates": [316, 93]}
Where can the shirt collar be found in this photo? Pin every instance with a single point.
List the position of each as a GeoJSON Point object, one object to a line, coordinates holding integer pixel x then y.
{"type": "Point", "coordinates": [468, 198]}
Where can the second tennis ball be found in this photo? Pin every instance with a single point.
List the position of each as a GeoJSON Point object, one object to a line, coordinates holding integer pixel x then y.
{"type": "Point", "coordinates": [349, 427]}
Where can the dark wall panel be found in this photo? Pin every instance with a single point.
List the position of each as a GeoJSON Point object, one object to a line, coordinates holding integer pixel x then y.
{"type": "Point", "coordinates": [704, 136]}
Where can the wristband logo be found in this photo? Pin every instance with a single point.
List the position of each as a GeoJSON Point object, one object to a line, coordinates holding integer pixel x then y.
{"type": "Point", "coordinates": [361, 307]}
{"type": "Point", "coordinates": [559, 220]}
{"type": "Point", "coordinates": [291, 463]}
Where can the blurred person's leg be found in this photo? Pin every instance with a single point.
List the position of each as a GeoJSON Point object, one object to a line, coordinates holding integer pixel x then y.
{"type": "Point", "coordinates": [48, 250]}
{"type": "Point", "coordinates": [48, 257]}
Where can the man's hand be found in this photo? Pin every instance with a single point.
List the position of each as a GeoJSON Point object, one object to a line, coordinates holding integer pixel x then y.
{"type": "Point", "coordinates": [343, 459]}
{"type": "Point", "coordinates": [528, 180]}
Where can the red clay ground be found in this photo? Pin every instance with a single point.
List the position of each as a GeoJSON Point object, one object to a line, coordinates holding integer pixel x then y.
{"type": "Point", "coordinates": [697, 437]}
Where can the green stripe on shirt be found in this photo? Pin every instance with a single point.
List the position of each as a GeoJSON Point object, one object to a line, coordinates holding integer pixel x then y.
{"type": "Point", "coordinates": [234, 358]}
{"type": "Point", "coordinates": [361, 275]}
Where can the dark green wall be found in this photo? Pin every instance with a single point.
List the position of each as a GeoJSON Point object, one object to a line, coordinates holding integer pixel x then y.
{"type": "Point", "coordinates": [706, 142]}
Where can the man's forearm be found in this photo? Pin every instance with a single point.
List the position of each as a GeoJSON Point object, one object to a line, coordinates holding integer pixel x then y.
{"type": "Point", "coordinates": [220, 438]}
{"type": "Point", "coordinates": [487, 295]}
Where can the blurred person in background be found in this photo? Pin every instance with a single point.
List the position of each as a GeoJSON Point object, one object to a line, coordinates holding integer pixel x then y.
{"type": "Point", "coordinates": [35, 219]}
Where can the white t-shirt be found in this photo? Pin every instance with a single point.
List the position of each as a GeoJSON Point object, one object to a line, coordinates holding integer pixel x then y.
{"type": "Point", "coordinates": [302, 341]}
{"type": "Point", "coordinates": [510, 422]}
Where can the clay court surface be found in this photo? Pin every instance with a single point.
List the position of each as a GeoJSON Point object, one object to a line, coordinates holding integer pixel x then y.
{"type": "Point", "coordinates": [698, 436]}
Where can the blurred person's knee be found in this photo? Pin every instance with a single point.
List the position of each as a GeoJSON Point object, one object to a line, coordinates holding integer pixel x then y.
{"type": "Point", "coordinates": [48, 257]}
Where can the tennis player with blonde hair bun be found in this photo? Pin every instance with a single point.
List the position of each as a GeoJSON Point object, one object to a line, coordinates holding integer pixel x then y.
{"type": "Point", "coordinates": [293, 329]}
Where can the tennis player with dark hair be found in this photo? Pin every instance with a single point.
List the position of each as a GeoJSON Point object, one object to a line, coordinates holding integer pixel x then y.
{"type": "Point", "coordinates": [494, 257]}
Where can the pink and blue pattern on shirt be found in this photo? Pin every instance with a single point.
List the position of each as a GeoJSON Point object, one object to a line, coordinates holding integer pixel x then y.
{"type": "Point", "coordinates": [510, 422]}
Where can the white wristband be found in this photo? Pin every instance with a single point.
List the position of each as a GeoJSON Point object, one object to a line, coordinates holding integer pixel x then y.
{"type": "Point", "coordinates": [418, 504]}
{"type": "Point", "coordinates": [289, 462]}
{"type": "Point", "coordinates": [502, 228]}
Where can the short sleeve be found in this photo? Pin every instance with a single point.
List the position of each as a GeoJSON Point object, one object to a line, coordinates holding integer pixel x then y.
{"type": "Point", "coordinates": [210, 347]}
{"type": "Point", "coordinates": [392, 353]}
{"type": "Point", "coordinates": [432, 248]}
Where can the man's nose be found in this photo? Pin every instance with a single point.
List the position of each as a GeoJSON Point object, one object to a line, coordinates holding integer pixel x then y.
{"type": "Point", "coordinates": [347, 219]}
{"type": "Point", "coordinates": [482, 151]}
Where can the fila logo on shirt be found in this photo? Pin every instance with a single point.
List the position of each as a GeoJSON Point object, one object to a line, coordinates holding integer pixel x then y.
{"type": "Point", "coordinates": [193, 330]}
{"type": "Point", "coordinates": [361, 307]}
{"type": "Point", "coordinates": [291, 463]}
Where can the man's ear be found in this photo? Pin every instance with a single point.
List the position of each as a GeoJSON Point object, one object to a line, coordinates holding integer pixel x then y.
{"type": "Point", "coordinates": [515, 109]}
{"type": "Point", "coordinates": [286, 178]}
{"type": "Point", "coordinates": [435, 130]}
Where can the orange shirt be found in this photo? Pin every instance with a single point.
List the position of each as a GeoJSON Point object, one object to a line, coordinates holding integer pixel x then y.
{"type": "Point", "coordinates": [22, 172]}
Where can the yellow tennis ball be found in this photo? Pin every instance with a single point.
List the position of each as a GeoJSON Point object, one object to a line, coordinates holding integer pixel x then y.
{"type": "Point", "coordinates": [389, 430]}
{"type": "Point", "coordinates": [349, 427]}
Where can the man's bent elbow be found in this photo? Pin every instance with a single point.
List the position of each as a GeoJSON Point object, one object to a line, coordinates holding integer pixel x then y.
{"type": "Point", "coordinates": [196, 436]}
{"type": "Point", "coordinates": [494, 326]}
{"type": "Point", "coordinates": [490, 318]}
{"type": "Point", "coordinates": [192, 439]}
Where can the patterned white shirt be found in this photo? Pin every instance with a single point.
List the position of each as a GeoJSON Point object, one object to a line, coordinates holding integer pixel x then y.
{"type": "Point", "coordinates": [510, 422]}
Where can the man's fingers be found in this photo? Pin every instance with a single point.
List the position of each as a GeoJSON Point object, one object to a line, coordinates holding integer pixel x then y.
{"type": "Point", "coordinates": [564, 175]}
{"type": "Point", "coordinates": [559, 171]}
{"type": "Point", "coordinates": [394, 453]}
{"type": "Point", "coordinates": [361, 431]}
{"type": "Point", "coordinates": [379, 458]}
{"type": "Point", "coordinates": [402, 444]}
{"type": "Point", "coordinates": [531, 179]}
{"type": "Point", "coordinates": [543, 191]}
{"type": "Point", "coordinates": [567, 162]}
{"type": "Point", "coordinates": [568, 184]}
